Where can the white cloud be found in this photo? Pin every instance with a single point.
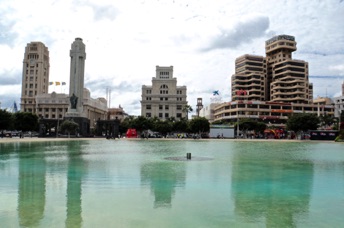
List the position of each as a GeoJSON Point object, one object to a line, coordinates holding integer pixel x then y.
{"type": "Point", "coordinates": [125, 40]}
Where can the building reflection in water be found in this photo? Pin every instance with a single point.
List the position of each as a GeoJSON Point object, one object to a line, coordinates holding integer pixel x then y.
{"type": "Point", "coordinates": [76, 170]}
{"type": "Point", "coordinates": [163, 178]}
{"type": "Point", "coordinates": [278, 192]}
{"type": "Point", "coordinates": [31, 189]}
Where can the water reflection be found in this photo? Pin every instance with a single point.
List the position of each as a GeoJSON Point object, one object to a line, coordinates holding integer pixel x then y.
{"type": "Point", "coordinates": [163, 178]}
{"type": "Point", "coordinates": [31, 186]}
{"type": "Point", "coordinates": [277, 191]}
{"type": "Point", "coordinates": [77, 168]}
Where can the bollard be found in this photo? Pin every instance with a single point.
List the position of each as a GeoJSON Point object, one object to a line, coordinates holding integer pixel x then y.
{"type": "Point", "coordinates": [188, 156]}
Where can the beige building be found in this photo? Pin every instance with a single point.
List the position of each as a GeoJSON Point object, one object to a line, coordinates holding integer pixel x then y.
{"type": "Point", "coordinates": [273, 113]}
{"type": "Point", "coordinates": [35, 76]}
{"type": "Point", "coordinates": [54, 106]}
{"type": "Point", "coordinates": [271, 88]}
{"type": "Point", "coordinates": [163, 99]}
{"type": "Point", "coordinates": [339, 105]}
{"type": "Point", "coordinates": [276, 77]}
{"type": "Point", "coordinates": [116, 113]}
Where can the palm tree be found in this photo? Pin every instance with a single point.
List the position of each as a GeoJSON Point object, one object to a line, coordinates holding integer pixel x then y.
{"type": "Point", "coordinates": [187, 109]}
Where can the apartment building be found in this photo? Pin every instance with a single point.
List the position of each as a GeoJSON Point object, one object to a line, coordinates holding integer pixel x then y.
{"type": "Point", "coordinates": [276, 77]}
{"type": "Point", "coordinates": [271, 88]}
{"type": "Point", "coordinates": [164, 99]}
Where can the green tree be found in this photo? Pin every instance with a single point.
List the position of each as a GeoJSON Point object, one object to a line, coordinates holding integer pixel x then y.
{"type": "Point", "coordinates": [302, 122]}
{"type": "Point", "coordinates": [180, 126]}
{"type": "Point", "coordinates": [187, 109]}
{"type": "Point", "coordinates": [126, 124]}
{"type": "Point", "coordinates": [327, 121]}
{"type": "Point", "coordinates": [69, 126]}
{"type": "Point", "coordinates": [199, 125]}
{"type": "Point", "coordinates": [163, 127]}
{"type": "Point", "coordinates": [25, 121]}
{"type": "Point", "coordinates": [251, 125]}
{"type": "Point", "coordinates": [6, 120]}
{"type": "Point", "coordinates": [141, 123]}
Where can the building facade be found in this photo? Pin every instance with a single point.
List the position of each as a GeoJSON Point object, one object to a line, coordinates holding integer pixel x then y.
{"type": "Point", "coordinates": [272, 113]}
{"type": "Point", "coordinates": [35, 75]}
{"type": "Point", "coordinates": [276, 77]}
{"type": "Point", "coordinates": [339, 105]}
{"type": "Point", "coordinates": [164, 99]}
{"type": "Point", "coordinates": [116, 113]}
{"type": "Point", "coordinates": [271, 88]}
{"type": "Point", "coordinates": [54, 107]}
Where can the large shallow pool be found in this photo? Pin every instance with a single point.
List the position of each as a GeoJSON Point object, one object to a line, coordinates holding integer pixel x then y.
{"type": "Point", "coordinates": [149, 183]}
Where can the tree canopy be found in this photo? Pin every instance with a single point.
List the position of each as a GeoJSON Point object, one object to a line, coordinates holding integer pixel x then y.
{"type": "Point", "coordinates": [25, 121]}
{"type": "Point", "coordinates": [6, 120]}
{"type": "Point", "coordinates": [302, 122]}
{"type": "Point", "coordinates": [199, 125]}
{"type": "Point", "coordinates": [69, 126]}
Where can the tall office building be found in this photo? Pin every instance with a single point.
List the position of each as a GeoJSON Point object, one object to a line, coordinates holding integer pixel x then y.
{"type": "Point", "coordinates": [163, 99]}
{"type": "Point", "coordinates": [276, 77]}
{"type": "Point", "coordinates": [35, 78]}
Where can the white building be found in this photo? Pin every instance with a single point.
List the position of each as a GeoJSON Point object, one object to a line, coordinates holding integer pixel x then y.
{"type": "Point", "coordinates": [163, 99]}
{"type": "Point", "coordinates": [339, 104]}
{"type": "Point", "coordinates": [208, 112]}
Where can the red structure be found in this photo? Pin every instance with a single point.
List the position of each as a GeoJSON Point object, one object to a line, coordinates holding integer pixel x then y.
{"type": "Point", "coordinates": [131, 133]}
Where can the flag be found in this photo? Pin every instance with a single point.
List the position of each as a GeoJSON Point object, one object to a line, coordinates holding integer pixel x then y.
{"type": "Point", "coordinates": [51, 83]}
{"type": "Point", "coordinates": [63, 83]}
{"type": "Point", "coordinates": [57, 83]}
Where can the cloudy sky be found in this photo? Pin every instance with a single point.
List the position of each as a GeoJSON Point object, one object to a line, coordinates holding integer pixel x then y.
{"type": "Point", "coordinates": [126, 40]}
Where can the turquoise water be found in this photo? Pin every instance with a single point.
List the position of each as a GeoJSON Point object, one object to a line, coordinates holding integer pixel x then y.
{"type": "Point", "coordinates": [133, 183]}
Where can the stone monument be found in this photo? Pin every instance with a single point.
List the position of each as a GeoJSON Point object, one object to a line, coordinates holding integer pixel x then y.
{"type": "Point", "coordinates": [76, 87]}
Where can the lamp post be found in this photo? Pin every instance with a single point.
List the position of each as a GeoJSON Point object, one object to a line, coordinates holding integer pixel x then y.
{"type": "Point", "coordinates": [238, 125]}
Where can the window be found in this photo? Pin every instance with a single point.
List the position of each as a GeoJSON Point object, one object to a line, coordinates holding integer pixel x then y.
{"type": "Point", "coordinates": [160, 107]}
{"type": "Point", "coordinates": [179, 107]}
{"type": "Point", "coordinates": [179, 115]}
{"type": "Point", "coordinates": [148, 114]}
{"type": "Point", "coordinates": [160, 115]}
{"type": "Point", "coordinates": [166, 115]}
{"type": "Point", "coordinates": [148, 107]}
{"type": "Point", "coordinates": [166, 107]}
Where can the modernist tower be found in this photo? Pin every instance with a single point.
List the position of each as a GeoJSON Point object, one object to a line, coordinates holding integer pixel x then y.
{"type": "Point", "coordinates": [76, 79]}
{"type": "Point", "coordinates": [35, 78]}
{"type": "Point", "coordinates": [163, 99]}
{"type": "Point", "coordinates": [276, 77]}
